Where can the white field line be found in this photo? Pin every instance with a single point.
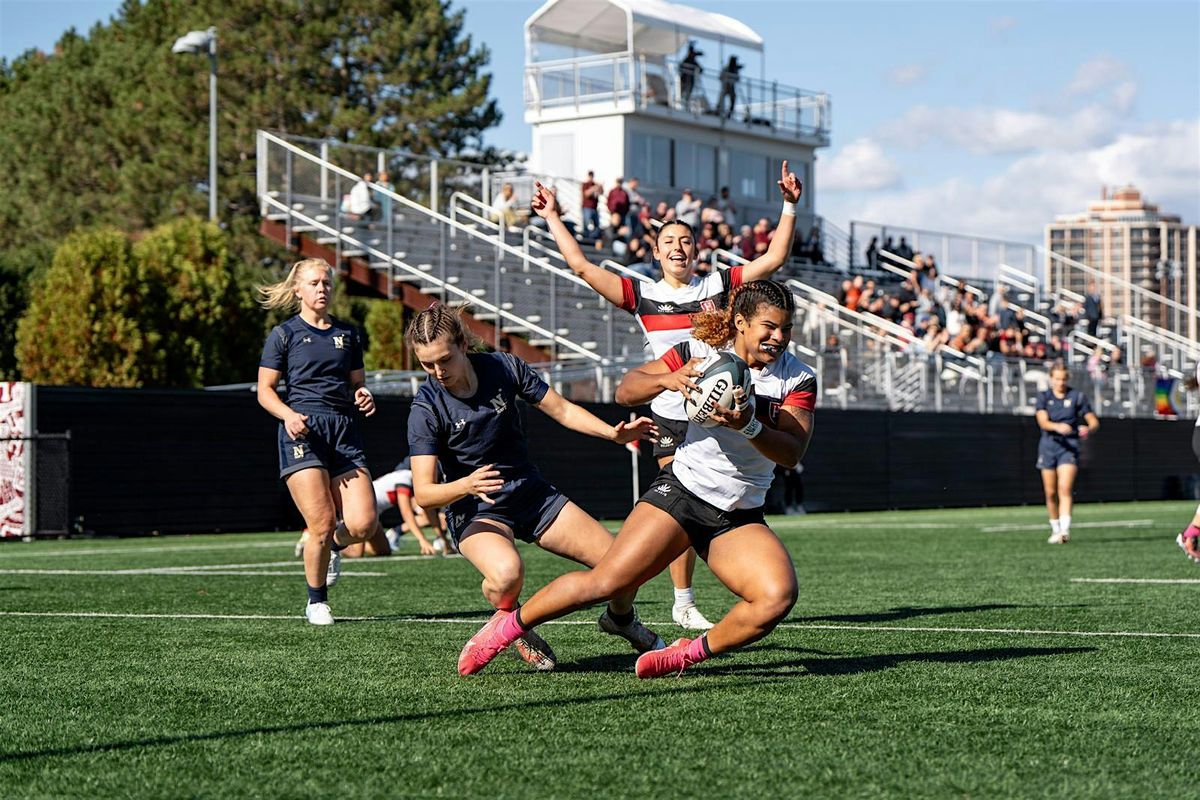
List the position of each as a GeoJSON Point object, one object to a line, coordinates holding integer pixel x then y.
{"type": "Point", "coordinates": [6, 554]}
{"type": "Point", "coordinates": [175, 571]}
{"type": "Point", "coordinates": [482, 620]}
{"type": "Point", "coordinates": [1114, 523]}
{"type": "Point", "coordinates": [1135, 580]}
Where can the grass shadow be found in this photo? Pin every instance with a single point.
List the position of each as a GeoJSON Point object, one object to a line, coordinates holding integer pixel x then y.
{"type": "Point", "coordinates": [905, 612]}
{"type": "Point", "coordinates": [854, 665]}
{"type": "Point", "coordinates": [309, 726]}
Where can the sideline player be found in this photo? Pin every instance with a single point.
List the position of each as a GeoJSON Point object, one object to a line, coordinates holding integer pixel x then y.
{"type": "Point", "coordinates": [320, 443]}
{"type": "Point", "coordinates": [465, 418]}
{"type": "Point", "coordinates": [1064, 416]}
{"type": "Point", "coordinates": [1189, 540]}
{"type": "Point", "coordinates": [663, 310]}
{"type": "Point", "coordinates": [710, 497]}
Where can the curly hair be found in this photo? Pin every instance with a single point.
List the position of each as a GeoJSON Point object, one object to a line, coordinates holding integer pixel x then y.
{"type": "Point", "coordinates": [435, 322]}
{"type": "Point", "coordinates": [283, 293]}
{"type": "Point", "coordinates": [715, 328]}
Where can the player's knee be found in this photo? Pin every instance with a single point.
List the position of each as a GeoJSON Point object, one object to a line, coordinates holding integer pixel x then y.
{"type": "Point", "coordinates": [506, 578]}
{"type": "Point", "coordinates": [321, 529]}
{"type": "Point", "coordinates": [360, 528]}
{"type": "Point", "coordinates": [777, 600]}
{"type": "Point", "coordinates": [1051, 495]}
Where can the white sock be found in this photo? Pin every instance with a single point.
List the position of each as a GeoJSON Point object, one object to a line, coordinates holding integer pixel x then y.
{"type": "Point", "coordinates": [1064, 523]}
{"type": "Point", "coordinates": [684, 598]}
{"type": "Point", "coordinates": [1054, 528]}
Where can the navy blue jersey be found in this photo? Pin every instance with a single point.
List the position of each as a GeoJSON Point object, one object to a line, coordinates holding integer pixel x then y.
{"type": "Point", "coordinates": [466, 434]}
{"type": "Point", "coordinates": [1071, 408]}
{"type": "Point", "coordinates": [316, 364]}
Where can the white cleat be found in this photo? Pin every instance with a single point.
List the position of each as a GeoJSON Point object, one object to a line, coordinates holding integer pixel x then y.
{"type": "Point", "coordinates": [300, 544]}
{"type": "Point", "coordinates": [1059, 538]}
{"type": "Point", "coordinates": [335, 569]}
{"type": "Point", "coordinates": [690, 617]}
{"type": "Point", "coordinates": [318, 614]}
{"type": "Point", "coordinates": [642, 638]}
{"type": "Point", "coordinates": [393, 537]}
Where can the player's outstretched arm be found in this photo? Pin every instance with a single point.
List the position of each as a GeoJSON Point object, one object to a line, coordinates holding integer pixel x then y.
{"type": "Point", "coordinates": [580, 420]}
{"type": "Point", "coordinates": [608, 285]}
{"type": "Point", "coordinates": [780, 248]}
{"type": "Point", "coordinates": [644, 383]}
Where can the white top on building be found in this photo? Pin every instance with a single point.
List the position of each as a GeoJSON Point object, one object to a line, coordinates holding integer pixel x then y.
{"type": "Point", "coordinates": [659, 91]}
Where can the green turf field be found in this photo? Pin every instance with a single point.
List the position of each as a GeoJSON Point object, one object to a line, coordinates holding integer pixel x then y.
{"type": "Point", "coordinates": [932, 653]}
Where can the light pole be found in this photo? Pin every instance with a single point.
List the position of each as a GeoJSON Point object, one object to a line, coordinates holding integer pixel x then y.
{"type": "Point", "coordinates": [201, 42]}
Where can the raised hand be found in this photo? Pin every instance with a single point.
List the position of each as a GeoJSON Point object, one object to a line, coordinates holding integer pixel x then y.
{"type": "Point", "coordinates": [544, 202]}
{"type": "Point", "coordinates": [789, 185]}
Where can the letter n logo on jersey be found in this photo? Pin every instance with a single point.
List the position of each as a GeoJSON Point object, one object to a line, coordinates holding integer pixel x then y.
{"type": "Point", "coordinates": [340, 342]}
{"type": "Point", "coordinates": [499, 404]}
{"type": "Point", "coordinates": [708, 305]}
{"type": "Point", "coordinates": [773, 411]}
{"type": "Point", "coordinates": [298, 452]}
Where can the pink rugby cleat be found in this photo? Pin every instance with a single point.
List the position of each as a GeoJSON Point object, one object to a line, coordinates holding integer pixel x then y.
{"type": "Point", "coordinates": [487, 643]}
{"type": "Point", "coordinates": [673, 659]}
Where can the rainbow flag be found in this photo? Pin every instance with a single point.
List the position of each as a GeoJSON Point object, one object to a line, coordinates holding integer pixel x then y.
{"type": "Point", "coordinates": [1168, 397]}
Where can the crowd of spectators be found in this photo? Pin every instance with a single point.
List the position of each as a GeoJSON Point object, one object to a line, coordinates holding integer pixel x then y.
{"type": "Point", "coordinates": [937, 314]}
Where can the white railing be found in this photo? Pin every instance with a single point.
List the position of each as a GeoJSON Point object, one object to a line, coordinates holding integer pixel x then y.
{"type": "Point", "coordinates": [628, 81]}
{"type": "Point", "coordinates": [961, 255]}
{"type": "Point", "coordinates": [903, 267]}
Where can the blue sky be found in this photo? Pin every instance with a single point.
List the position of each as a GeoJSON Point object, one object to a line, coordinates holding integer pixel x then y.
{"type": "Point", "coordinates": [975, 117]}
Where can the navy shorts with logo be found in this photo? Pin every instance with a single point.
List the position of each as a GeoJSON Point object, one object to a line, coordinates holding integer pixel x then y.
{"type": "Point", "coordinates": [670, 435]}
{"type": "Point", "coordinates": [702, 521]}
{"type": "Point", "coordinates": [528, 506]}
{"type": "Point", "coordinates": [1053, 454]}
{"type": "Point", "coordinates": [334, 443]}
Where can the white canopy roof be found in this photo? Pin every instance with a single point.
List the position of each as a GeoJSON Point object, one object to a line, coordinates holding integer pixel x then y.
{"type": "Point", "coordinates": [655, 27]}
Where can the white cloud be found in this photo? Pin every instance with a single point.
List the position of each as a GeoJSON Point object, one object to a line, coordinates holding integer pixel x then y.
{"type": "Point", "coordinates": [1002, 25]}
{"type": "Point", "coordinates": [1098, 73]}
{"type": "Point", "coordinates": [906, 74]}
{"type": "Point", "coordinates": [1163, 162]}
{"type": "Point", "coordinates": [860, 165]}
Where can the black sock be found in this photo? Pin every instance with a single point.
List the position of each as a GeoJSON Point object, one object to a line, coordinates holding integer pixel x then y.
{"type": "Point", "coordinates": [334, 546]}
{"type": "Point", "coordinates": [704, 644]}
{"type": "Point", "coordinates": [517, 618]}
{"type": "Point", "coordinates": [319, 594]}
{"type": "Point", "coordinates": [621, 619]}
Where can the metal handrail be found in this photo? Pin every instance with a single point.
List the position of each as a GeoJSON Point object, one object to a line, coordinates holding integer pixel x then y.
{"type": "Point", "coordinates": [1169, 338]}
{"type": "Point", "coordinates": [1133, 288]}
{"type": "Point", "coordinates": [390, 259]}
{"type": "Point", "coordinates": [944, 279]}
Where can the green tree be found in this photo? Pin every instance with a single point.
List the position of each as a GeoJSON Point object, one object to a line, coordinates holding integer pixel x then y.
{"type": "Point", "coordinates": [16, 267]}
{"type": "Point", "coordinates": [81, 326]}
{"type": "Point", "coordinates": [172, 310]}
{"type": "Point", "coordinates": [113, 128]}
{"type": "Point", "coordinates": [385, 332]}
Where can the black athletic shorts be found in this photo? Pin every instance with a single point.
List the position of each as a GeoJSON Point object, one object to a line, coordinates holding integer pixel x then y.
{"type": "Point", "coordinates": [702, 521]}
{"type": "Point", "coordinates": [1196, 442]}
{"type": "Point", "coordinates": [670, 435]}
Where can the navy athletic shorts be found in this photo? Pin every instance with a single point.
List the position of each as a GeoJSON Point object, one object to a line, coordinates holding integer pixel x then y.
{"type": "Point", "coordinates": [670, 435]}
{"type": "Point", "coordinates": [334, 443]}
{"type": "Point", "coordinates": [702, 521]}
{"type": "Point", "coordinates": [528, 506]}
{"type": "Point", "coordinates": [1052, 454]}
{"type": "Point", "coordinates": [1196, 442]}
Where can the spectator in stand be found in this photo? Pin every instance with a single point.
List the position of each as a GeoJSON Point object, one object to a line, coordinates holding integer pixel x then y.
{"type": "Point", "coordinates": [978, 346]}
{"type": "Point", "coordinates": [728, 210]}
{"type": "Point", "coordinates": [618, 201]}
{"type": "Point", "coordinates": [1149, 359]}
{"type": "Point", "coordinates": [710, 212]}
{"type": "Point", "coordinates": [708, 241]}
{"type": "Point", "coordinates": [1093, 308]}
{"type": "Point", "coordinates": [745, 242]}
{"type": "Point", "coordinates": [637, 204]}
{"type": "Point", "coordinates": [870, 301]}
{"type": "Point", "coordinates": [639, 258]}
{"type": "Point", "coordinates": [357, 204]}
{"type": "Point", "coordinates": [590, 205]}
{"type": "Point", "coordinates": [505, 206]}
{"type": "Point", "coordinates": [873, 253]}
{"type": "Point", "coordinates": [729, 81]}
{"type": "Point", "coordinates": [762, 236]}
{"type": "Point", "coordinates": [688, 209]}
{"type": "Point", "coordinates": [960, 340]}
{"type": "Point", "coordinates": [385, 200]}
{"type": "Point", "coordinates": [615, 237]}
{"type": "Point", "coordinates": [725, 236]}
{"type": "Point", "coordinates": [935, 336]}
{"type": "Point", "coordinates": [664, 212]}
{"type": "Point", "coordinates": [689, 72]}
{"type": "Point", "coordinates": [853, 293]}
{"type": "Point", "coordinates": [903, 250]}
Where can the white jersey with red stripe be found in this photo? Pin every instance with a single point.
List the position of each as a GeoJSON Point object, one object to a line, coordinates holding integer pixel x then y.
{"type": "Point", "coordinates": [387, 486]}
{"type": "Point", "coordinates": [719, 465]}
{"type": "Point", "coordinates": [665, 314]}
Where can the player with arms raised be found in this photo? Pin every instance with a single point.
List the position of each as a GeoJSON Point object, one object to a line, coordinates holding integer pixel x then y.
{"type": "Point", "coordinates": [664, 311]}
{"type": "Point", "coordinates": [710, 497]}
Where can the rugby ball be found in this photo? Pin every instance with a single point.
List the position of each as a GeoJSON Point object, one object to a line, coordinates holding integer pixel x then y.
{"type": "Point", "coordinates": [720, 374]}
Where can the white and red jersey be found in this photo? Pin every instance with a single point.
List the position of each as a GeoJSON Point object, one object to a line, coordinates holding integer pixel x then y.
{"type": "Point", "coordinates": [719, 465]}
{"type": "Point", "coordinates": [665, 314]}
{"type": "Point", "coordinates": [388, 486]}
